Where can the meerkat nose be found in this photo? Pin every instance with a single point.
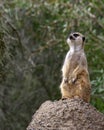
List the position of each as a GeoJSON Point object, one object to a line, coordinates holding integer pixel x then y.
{"type": "Point", "coordinates": [71, 37]}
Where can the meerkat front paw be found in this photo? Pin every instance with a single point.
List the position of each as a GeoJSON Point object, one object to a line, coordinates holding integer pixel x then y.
{"type": "Point", "coordinates": [73, 79]}
{"type": "Point", "coordinates": [65, 80]}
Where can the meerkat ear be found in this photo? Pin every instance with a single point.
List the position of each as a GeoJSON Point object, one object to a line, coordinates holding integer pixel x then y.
{"type": "Point", "coordinates": [83, 39]}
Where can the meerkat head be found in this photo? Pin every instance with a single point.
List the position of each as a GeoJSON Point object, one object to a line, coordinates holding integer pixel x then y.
{"type": "Point", "coordinates": [76, 41]}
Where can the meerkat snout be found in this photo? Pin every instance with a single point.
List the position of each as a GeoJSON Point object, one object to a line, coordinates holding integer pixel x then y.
{"type": "Point", "coordinates": [73, 36]}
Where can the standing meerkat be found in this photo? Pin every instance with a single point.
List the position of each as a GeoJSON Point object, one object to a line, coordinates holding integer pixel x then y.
{"type": "Point", "coordinates": [75, 75]}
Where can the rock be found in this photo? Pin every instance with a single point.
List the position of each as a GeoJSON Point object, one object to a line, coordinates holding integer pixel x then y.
{"type": "Point", "coordinates": [73, 114]}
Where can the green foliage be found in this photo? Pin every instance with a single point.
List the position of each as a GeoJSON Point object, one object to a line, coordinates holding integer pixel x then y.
{"type": "Point", "coordinates": [32, 49]}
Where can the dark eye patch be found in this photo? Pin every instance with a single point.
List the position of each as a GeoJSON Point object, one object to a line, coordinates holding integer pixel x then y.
{"type": "Point", "coordinates": [75, 35]}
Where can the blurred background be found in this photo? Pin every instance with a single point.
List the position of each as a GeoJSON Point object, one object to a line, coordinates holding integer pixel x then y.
{"type": "Point", "coordinates": [32, 49]}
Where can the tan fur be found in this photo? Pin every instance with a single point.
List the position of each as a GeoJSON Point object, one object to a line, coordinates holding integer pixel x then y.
{"type": "Point", "coordinates": [75, 81]}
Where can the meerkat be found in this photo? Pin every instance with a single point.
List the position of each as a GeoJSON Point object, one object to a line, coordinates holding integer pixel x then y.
{"type": "Point", "coordinates": [75, 76]}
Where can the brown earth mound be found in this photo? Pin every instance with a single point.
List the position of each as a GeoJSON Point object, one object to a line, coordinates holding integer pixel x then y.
{"type": "Point", "coordinates": [72, 114]}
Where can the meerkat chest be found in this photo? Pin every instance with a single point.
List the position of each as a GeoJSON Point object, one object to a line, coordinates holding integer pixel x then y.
{"type": "Point", "coordinates": [72, 57]}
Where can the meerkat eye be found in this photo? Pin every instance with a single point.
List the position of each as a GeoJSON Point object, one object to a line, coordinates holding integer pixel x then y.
{"type": "Point", "coordinates": [75, 35]}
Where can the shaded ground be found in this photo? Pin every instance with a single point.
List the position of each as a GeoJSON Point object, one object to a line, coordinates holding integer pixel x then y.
{"type": "Point", "coordinates": [68, 114]}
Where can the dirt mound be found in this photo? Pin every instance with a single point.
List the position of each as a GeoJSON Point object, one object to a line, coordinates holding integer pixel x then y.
{"type": "Point", "coordinates": [72, 114]}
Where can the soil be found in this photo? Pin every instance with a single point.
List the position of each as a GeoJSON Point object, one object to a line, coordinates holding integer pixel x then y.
{"type": "Point", "coordinates": [73, 114]}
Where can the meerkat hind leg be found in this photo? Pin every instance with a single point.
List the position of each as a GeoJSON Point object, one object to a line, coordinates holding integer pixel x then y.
{"type": "Point", "coordinates": [64, 91]}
